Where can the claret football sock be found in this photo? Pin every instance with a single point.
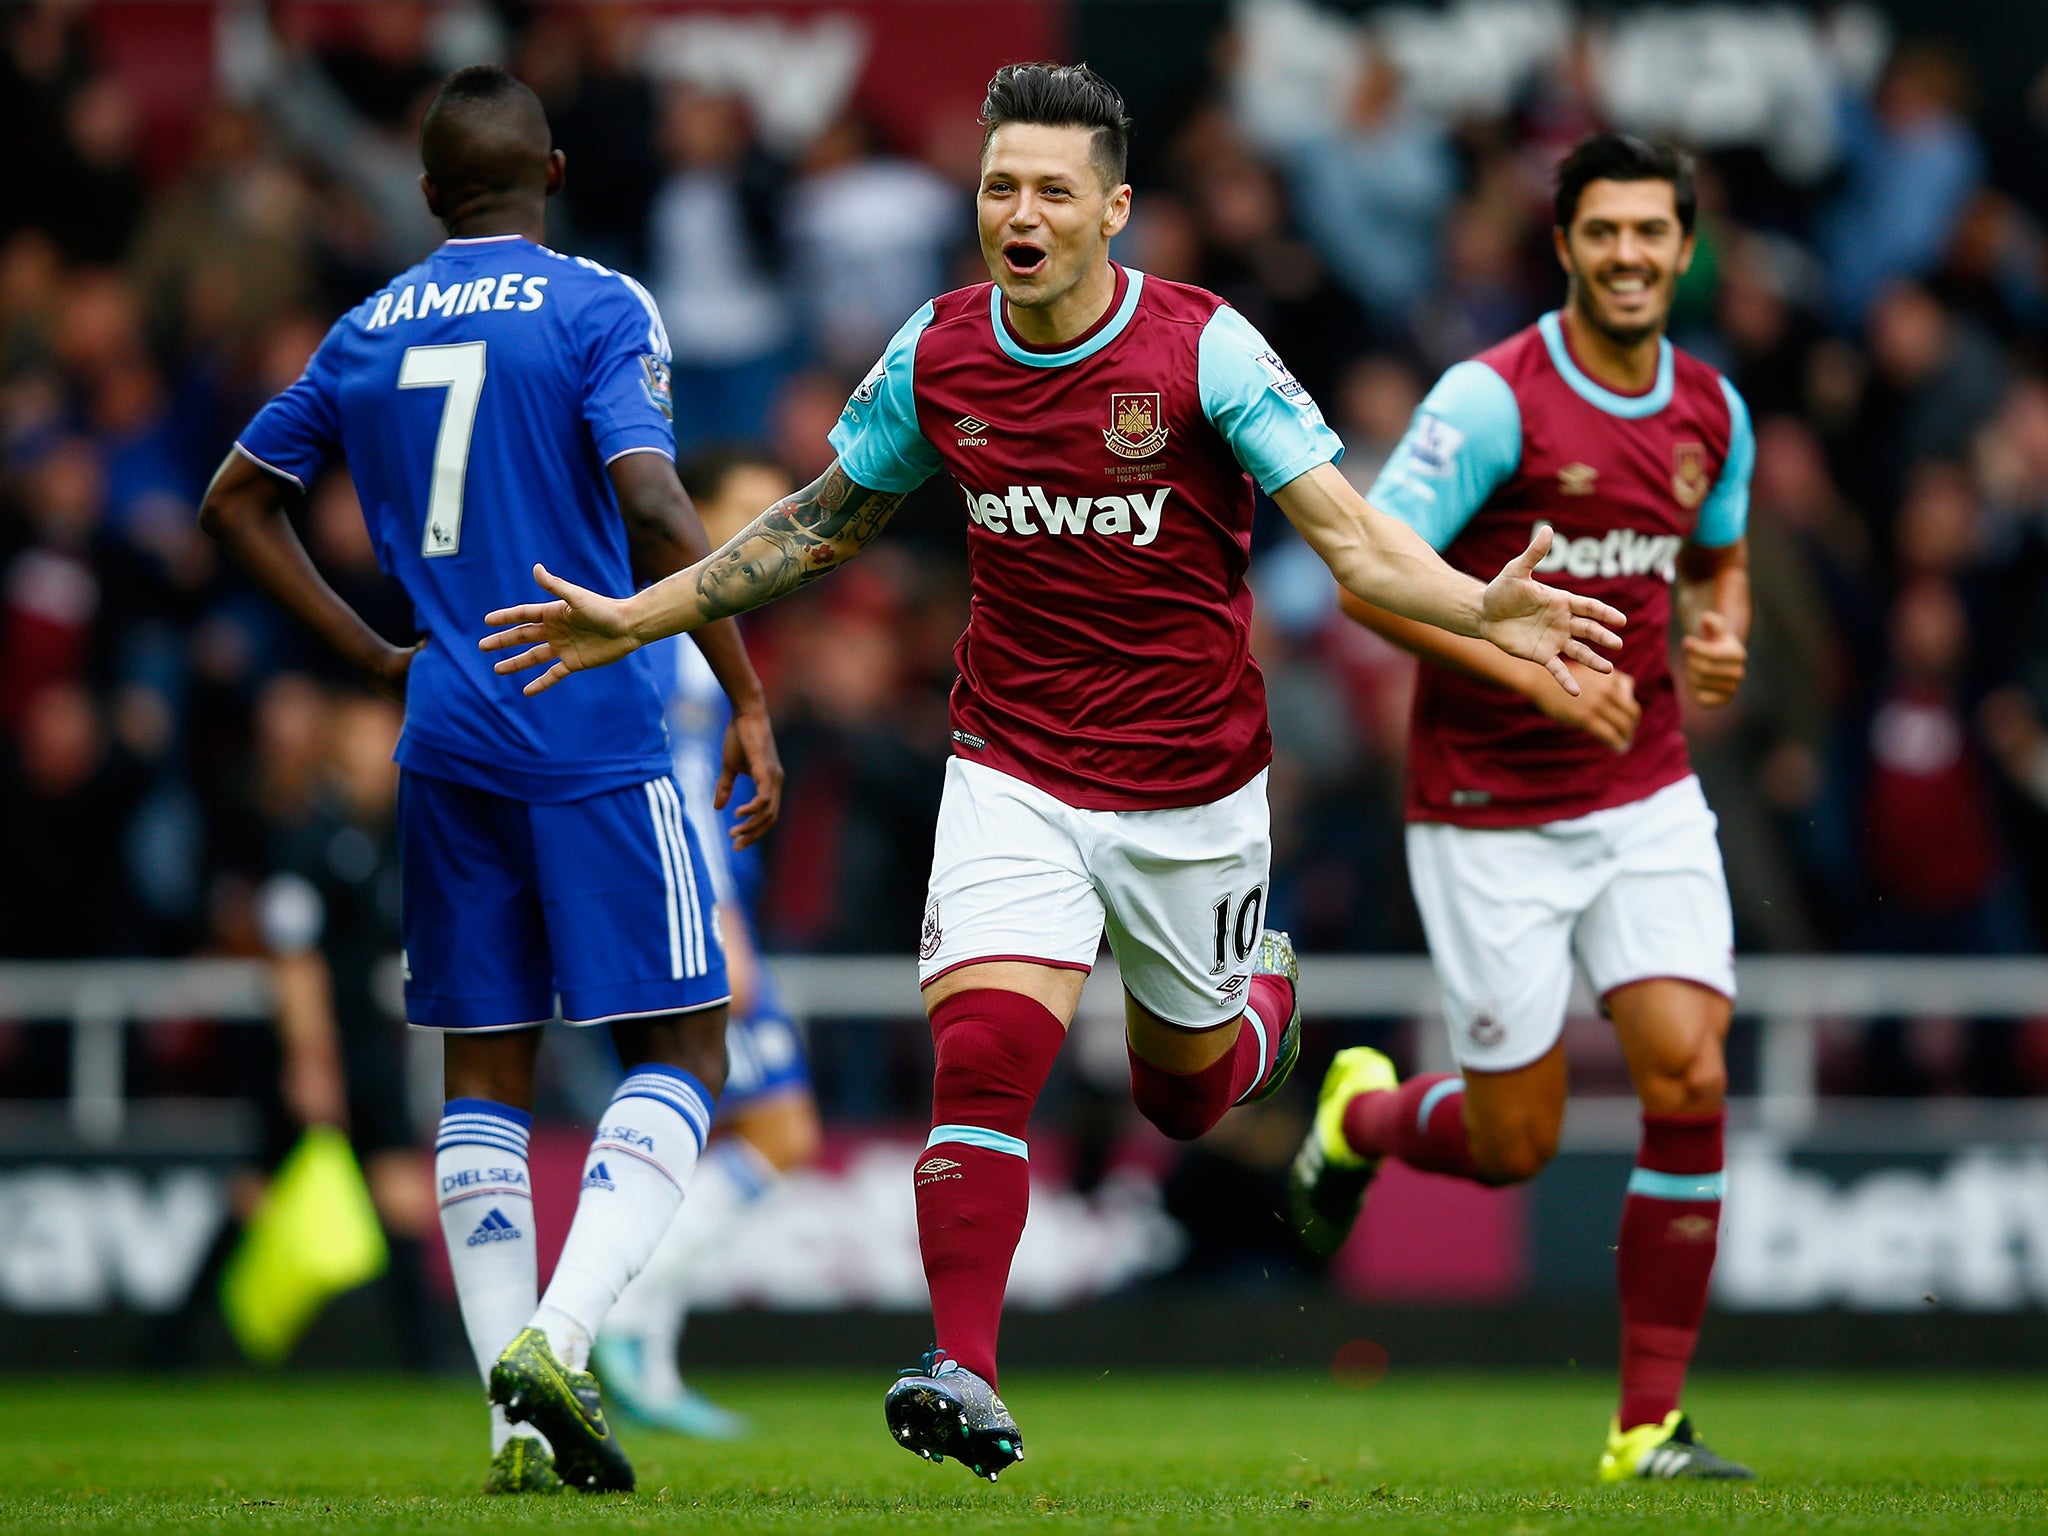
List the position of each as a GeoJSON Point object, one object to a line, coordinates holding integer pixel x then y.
{"type": "Point", "coordinates": [994, 1050]}
{"type": "Point", "coordinates": [1185, 1105]}
{"type": "Point", "coordinates": [1670, 1226]}
{"type": "Point", "coordinates": [639, 1164]}
{"type": "Point", "coordinates": [1421, 1123]}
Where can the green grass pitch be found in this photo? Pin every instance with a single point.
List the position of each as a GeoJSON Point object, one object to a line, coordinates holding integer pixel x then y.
{"type": "Point", "coordinates": [1504, 1454]}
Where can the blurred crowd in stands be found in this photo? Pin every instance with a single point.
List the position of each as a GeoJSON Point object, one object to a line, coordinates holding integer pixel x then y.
{"type": "Point", "coordinates": [1882, 784]}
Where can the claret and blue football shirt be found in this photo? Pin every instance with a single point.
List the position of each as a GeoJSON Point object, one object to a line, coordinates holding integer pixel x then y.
{"type": "Point", "coordinates": [477, 399]}
{"type": "Point", "coordinates": [1106, 489]}
{"type": "Point", "coordinates": [1521, 436]}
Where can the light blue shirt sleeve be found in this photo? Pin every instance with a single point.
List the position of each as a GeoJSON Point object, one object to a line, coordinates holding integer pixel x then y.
{"type": "Point", "coordinates": [1725, 517]}
{"type": "Point", "coordinates": [877, 437]}
{"type": "Point", "coordinates": [1465, 440]}
{"type": "Point", "coordinates": [1271, 423]}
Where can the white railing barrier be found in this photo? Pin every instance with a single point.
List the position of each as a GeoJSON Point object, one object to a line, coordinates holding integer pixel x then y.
{"type": "Point", "coordinates": [102, 999]}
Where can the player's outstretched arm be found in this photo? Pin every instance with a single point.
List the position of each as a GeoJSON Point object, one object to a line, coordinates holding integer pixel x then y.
{"type": "Point", "coordinates": [244, 510]}
{"type": "Point", "coordinates": [1382, 561]}
{"type": "Point", "coordinates": [666, 535]}
{"type": "Point", "coordinates": [802, 537]}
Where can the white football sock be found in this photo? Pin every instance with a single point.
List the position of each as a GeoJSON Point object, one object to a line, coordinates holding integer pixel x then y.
{"type": "Point", "coordinates": [633, 1180]}
{"type": "Point", "coordinates": [733, 1176]}
{"type": "Point", "coordinates": [486, 1198]}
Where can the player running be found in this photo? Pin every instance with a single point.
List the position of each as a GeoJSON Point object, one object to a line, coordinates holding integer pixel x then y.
{"type": "Point", "coordinates": [496, 402]}
{"type": "Point", "coordinates": [1104, 430]}
{"type": "Point", "coordinates": [767, 1118]}
{"type": "Point", "coordinates": [1546, 828]}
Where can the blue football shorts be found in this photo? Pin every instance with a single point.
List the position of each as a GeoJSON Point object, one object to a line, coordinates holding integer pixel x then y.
{"type": "Point", "coordinates": [600, 907]}
{"type": "Point", "coordinates": [764, 1055]}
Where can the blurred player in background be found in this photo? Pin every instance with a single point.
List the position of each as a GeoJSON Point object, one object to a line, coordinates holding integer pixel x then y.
{"type": "Point", "coordinates": [329, 914]}
{"type": "Point", "coordinates": [767, 1119]}
{"type": "Point", "coordinates": [1109, 726]}
{"type": "Point", "coordinates": [1547, 827]}
{"type": "Point", "coordinates": [496, 403]}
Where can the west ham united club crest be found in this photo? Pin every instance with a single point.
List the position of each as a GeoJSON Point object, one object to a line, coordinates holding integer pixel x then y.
{"type": "Point", "coordinates": [1689, 481]}
{"type": "Point", "coordinates": [1134, 431]}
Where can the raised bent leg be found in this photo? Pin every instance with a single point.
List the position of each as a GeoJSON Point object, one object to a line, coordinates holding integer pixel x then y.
{"type": "Point", "coordinates": [1185, 1080]}
{"type": "Point", "coordinates": [1490, 1127]}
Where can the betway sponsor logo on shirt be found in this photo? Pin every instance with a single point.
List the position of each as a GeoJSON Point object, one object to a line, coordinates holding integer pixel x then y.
{"type": "Point", "coordinates": [1622, 552]}
{"type": "Point", "coordinates": [1030, 509]}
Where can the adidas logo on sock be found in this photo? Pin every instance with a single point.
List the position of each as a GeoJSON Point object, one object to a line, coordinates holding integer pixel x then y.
{"type": "Point", "coordinates": [598, 1178]}
{"type": "Point", "coordinates": [494, 1228]}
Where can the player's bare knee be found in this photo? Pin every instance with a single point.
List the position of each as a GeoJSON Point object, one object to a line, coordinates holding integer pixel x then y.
{"type": "Point", "coordinates": [1515, 1161]}
{"type": "Point", "coordinates": [691, 1042]}
{"type": "Point", "coordinates": [1515, 1153]}
{"type": "Point", "coordinates": [1698, 1086]}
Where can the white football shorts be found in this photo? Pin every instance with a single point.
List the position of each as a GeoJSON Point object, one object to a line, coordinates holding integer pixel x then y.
{"type": "Point", "coordinates": [1631, 893]}
{"type": "Point", "coordinates": [1020, 875]}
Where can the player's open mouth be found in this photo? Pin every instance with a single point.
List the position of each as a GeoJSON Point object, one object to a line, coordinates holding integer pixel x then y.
{"type": "Point", "coordinates": [1022, 258]}
{"type": "Point", "coordinates": [1627, 286]}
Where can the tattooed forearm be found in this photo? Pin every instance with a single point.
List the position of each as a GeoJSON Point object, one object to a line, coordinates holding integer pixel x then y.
{"type": "Point", "coordinates": [799, 539]}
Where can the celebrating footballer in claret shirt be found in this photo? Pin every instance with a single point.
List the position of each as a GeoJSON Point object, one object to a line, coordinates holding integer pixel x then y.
{"type": "Point", "coordinates": [497, 400]}
{"type": "Point", "coordinates": [1545, 827]}
{"type": "Point", "coordinates": [1103, 430]}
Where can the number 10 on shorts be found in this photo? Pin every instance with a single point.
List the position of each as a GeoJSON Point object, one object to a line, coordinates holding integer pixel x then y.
{"type": "Point", "coordinates": [1237, 928]}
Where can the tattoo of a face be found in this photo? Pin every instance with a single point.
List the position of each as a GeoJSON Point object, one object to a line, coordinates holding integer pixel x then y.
{"type": "Point", "coordinates": [799, 539]}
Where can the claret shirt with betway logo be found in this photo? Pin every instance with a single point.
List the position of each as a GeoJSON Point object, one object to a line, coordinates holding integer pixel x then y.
{"type": "Point", "coordinates": [477, 399]}
{"type": "Point", "coordinates": [1520, 436]}
{"type": "Point", "coordinates": [1106, 488]}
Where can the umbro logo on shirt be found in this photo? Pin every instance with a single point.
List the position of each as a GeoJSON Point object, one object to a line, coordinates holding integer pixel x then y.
{"type": "Point", "coordinates": [976, 431]}
{"type": "Point", "coordinates": [494, 1228]}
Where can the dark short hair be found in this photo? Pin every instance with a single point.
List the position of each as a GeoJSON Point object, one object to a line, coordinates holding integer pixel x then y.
{"type": "Point", "coordinates": [1062, 96]}
{"type": "Point", "coordinates": [486, 100]}
{"type": "Point", "coordinates": [1623, 157]}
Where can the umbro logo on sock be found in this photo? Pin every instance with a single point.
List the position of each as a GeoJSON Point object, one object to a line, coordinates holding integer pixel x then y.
{"type": "Point", "coordinates": [598, 1177]}
{"type": "Point", "coordinates": [936, 1165]}
{"type": "Point", "coordinates": [494, 1228]}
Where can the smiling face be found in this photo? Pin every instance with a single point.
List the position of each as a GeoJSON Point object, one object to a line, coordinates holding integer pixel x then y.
{"type": "Point", "coordinates": [1624, 254]}
{"type": "Point", "coordinates": [1046, 218]}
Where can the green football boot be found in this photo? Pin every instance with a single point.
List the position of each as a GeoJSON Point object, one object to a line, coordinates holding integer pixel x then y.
{"type": "Point", "coordinates": [522, 1465]}
{"type": "Point", "coordinates": [1326, 1185]}
{"type": "Point", "coordinates": [1671, 1449]}
{"type": "Point", "coordinates": [533, 1387]}
{"type": "Point", "coordinates": [1276, 958]}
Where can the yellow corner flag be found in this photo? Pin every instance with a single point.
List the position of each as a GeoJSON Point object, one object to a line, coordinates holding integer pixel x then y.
{"type": "Point", "coordinates": [314, 1235]}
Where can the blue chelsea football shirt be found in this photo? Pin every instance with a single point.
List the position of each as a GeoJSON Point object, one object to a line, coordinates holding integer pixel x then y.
{"type": "Point", "coordinates": [477, 399]}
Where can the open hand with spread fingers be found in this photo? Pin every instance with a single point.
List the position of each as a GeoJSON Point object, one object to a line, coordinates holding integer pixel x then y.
{"type": "Point", "coordinates": [580, 630]}
{"type": "Point", "coordinates": [1543, 624]}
